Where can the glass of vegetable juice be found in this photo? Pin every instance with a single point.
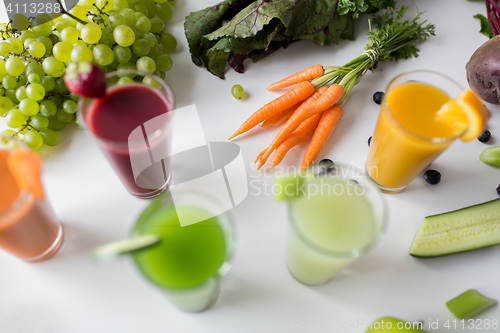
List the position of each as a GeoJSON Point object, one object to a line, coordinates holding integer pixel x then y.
{"type": "Point", "coordinates": [190, 261]}
{"type": "Point", "coordinates": [130, 126]}
{"type": "Point", "coordinates": [336, 217]}
{"type": "Point", "coordinates": [408, 135]}
{"type": "Point", "coordinates": [29, 228]}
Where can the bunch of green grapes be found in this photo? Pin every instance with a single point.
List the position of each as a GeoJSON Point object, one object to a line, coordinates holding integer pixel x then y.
{"type": "Point", "coordinates": [34, 53]}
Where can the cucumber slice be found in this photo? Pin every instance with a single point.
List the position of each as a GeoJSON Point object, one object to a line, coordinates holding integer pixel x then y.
{"type": "Point", "coordinates": [390, 324]}
{"type": "Point", "coordinates": [116, 249]}
{"type": "Point", "coordinates": [461, 230]}
{"type": "Point", "coordinates": [289, 187]}
{"type": "Point", "coordinates": [469, 304]}
{"type": "Point", "coordinates": [491, 156]}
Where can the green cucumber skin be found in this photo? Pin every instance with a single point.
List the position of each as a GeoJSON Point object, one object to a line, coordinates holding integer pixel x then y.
{"type": "Point", "coordinates": [414, 252]}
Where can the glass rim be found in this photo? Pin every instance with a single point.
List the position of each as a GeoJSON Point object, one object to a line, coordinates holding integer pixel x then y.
{"type": "Point", "coordinates": [354, 253]}
{"type": "Point", "coordinates": [408, 131]}
{"type": "Point", "coordinates": [168, 95]}
{"type": "Point", "coordinates": [229, 232]}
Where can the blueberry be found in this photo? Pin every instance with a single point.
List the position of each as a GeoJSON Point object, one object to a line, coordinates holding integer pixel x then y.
{"type": "Point", "coordinates": [432, 177]}
{"type": "Point", "coordinates": [498, 189]}
{"type": "Point", "coordinates": [485, 137]}
{"type": "Point", "coordinates": [378, 97]}
{"type": "Point", "coordinates": [325, 165]}
{"type": "Point", "coordinates": [369, 141]}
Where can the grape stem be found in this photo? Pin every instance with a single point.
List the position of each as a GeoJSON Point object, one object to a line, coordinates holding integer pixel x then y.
{"type": "Point", "coordinates": [64, 11]}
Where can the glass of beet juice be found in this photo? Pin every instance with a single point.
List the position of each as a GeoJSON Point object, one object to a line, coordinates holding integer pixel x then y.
{"type": "Point", "coordinates": [131, 126]}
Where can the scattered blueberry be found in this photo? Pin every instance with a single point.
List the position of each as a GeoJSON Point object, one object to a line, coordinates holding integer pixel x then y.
{"type": "Point", "coordinates": [378, 97]}
{"type": "Point", "coordinates": [432, 177]}
{"type": "Point", "coordinates": [369, 141]}
{"type": "Point", "coordinates": [498, 189]}
{"type": "Point", "coordinates": [485, 137]}
{"type": "Point", "coordinates": [466, 64]}
{"type": "Point", "coordinates": [354, 181]}
{"type": "Point", "coordinates": [325, 165]}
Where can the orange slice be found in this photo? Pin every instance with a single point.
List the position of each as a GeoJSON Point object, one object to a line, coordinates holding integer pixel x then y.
{"type": "Point", "coordinates": [465, 114]}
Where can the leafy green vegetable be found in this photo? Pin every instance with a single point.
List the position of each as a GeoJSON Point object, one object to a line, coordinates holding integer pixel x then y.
{"type": "Point", "coordinates": [485, 26]}
{"type": "Point", "coordinates": [235, 30]}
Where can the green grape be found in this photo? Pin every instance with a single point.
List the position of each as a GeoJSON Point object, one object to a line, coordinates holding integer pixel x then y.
{"type": "Point", "coordinates": [124, 35]}
{"type": "Point", "coordinates": [37, 49]}
{"type": "Point", "coordinates": [157, 25]}
{"type": "Point", "coordinates": [168, 41]}
{"type": "Point", "coordinates": [16, 44]}
{"type": "Point", "coordinates": [139, 14]}
{"type": "Point", "coordinates": [107, 36]}
{"type": "Point", "coordinates": [8, 132]}
{"type": "Point", "coordinates": [21, 81]}
{"type": "Point", "coordinates": [91, 33]}
{"type": "Point", "coordinates": [80, 43]}
{"type": "Point", "coordinates": [15, 118]}
{"type": "Point", "coordinates": [151, 82]}
{"type": "Point", "coordinates": [150, 5]}
{"type": "Point", "coordinates": [21, 93]}
{"type": "Point", "coordinates": [48, 83]}
{"type": "Point", "coordinates": [41, 26]}
{"type": "Point", "coordinates": [122, 54]}
{"type": "Point", "coordinates": [131, 2]}
{"type": "Point", "coordinates": [54, 39]}
{"type": "Point", "coordinates": [164, 11]}
{"type": "Point", "coordinates": [48, 108]}
{"type": "Point", "coordinates": [33, 78]}
{"type": "Point", "coordinates": [103, 55]}
{"type": "Point", "coordinates": [6, 48]}
{"type": "Point", "coordinates": [81, 53]}
{"type": "Point", "coordinates": [163, 62]}
{"type": "Point", "coordinates": [57, 100]}
{"type": "Point", "coordinates": [79, 11]}
{"type": "Point", "coordinates": [127, 65]}
{"type": "Point", "coordinates": [105, 5]}
{"type": "Point", "coordinates": [26, 34]}
{"type": "Point", "coordinates": [143, 24]}
{"type": "Point", "coordinates": [139, 7]}
{"type": "Point", "coordinates": [237, 91]}
{"type": "Point", "coordinates": [2, 67]}
{"type": "Point", "coordinates": [55, 124]}
{"type": "Point", "coordinates": [137, 34]}
{"type": "Point", "coordinates": [150, 38]}
{"type": "Point", "coordinates": [119, 5]}
{"type": "Point", "coordinates": [5, 105]}
{"type": "Point", "coordinates": [19, 22]}
{"type": "Point", "coordinates": [70, 35]}
{"type": "Point", "coordinates": [29, 107]}
{"type": "Point", "coordinates": [125, 80]}
{"type": "Point", "coordinates": [14, 66]}
{"type": "Point", "coordinates": [87, 4]}
{"type": "Point", "coordinates": [146, 64]}
{"type": "Point", "coordinates": [61, 87]}
{"type": "Point", "coordinates": [65, 117]}
{"type": "Point", "coordinates": [62, 51]}
{"type": "Point", "coordinates": [33, 139]}
{"type": "Point", "coordinates": [35, 91]}
{"type": "Point", "coordinates": [9, 82]}
{"type": "Point", "coordinates": [115, 19]}
{"type": "Point", "coordinates": [34, 68]}
{"type": "Point", "coordinates": [28, 41]}
{"type": "Point", "coordinates": [64, 23]}
{"type": "Point", "coordinates": [50, 137]}
{"type": "Point", "coordinates": [141, 47]}
{"type": "Point", "coordinates": [11, 93]}
{"type": "Point", "coordinates": [160, 1]}
{"type": "Point", "coordinates": [155, 51]}
{"type": "Point", "coordinates": [46, 42]}
{"type": "Point", "coordinates": [79, 26]}
{"type": "Point", "coordinates": [47, 17]}
{"type": "Point", "coordinates": [74, 97]}
{"type": "Point", "coordinates": [70, 106]}
{"type": "Point", "coordinates": [39, 122]}
{"type": "Point", "coordinates": [134, 58]}
{"type": "Point", "coordinates": [129, 16]}
{"type": "Point", "coordinates": [53, 67]}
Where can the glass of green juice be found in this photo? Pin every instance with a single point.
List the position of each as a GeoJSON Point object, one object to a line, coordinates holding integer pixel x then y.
{"type": "Point", "coordinates": [336, 215]}
{"type": "Point", "coordinates": [189, 262]}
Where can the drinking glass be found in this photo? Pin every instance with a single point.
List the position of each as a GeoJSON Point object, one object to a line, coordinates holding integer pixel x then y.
{"type": "Point", "coordinates": [397, 154]}
{"type": "Point", "coordinates": [337, 217]}
{"type": "Point", "coordinates": [139, 151]}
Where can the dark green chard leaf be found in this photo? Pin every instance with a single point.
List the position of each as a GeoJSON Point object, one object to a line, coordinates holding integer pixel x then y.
{"type": "Point", "coordinates": [485, 26]}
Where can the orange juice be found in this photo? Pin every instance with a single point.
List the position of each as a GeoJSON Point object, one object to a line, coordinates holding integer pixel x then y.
{"type": "Point", "coordinates": [408, 137]}
{"type": "Point", "coordinates": [28, 226]}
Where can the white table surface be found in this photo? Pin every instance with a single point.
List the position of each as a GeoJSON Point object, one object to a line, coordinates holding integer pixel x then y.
{"type": "Point", "coordinates": [72, 294]}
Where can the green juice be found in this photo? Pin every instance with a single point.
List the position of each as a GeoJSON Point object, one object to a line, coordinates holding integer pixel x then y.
{"type": "Point", "coordinates": [186, 256]}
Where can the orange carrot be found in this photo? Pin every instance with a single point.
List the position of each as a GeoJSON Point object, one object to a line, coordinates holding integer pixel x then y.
{"type": "Point", "coordinates": [327, 124]}
{"type": "Point", "coordinates": [305, 130]}
{"type": "Point", "coordinates": [305, 75]}
{"type": "Point", "coordinates": [281, 117]}
{"type": "Point", "coordinates": [289, 99]}
{"type": "Point", "coordinates": [311, 99]}
{"type": "Point", "coordinates": [328, 99]}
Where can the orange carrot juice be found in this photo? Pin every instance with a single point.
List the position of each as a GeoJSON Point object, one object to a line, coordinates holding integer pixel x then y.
{"type": "Point", "coordinates": [408, 136]}
{"type": "Point", "coordinates": [28, 226]}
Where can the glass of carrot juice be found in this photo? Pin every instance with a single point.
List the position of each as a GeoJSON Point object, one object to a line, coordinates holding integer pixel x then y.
{"type": "Point", "coordinates": [408, 135]}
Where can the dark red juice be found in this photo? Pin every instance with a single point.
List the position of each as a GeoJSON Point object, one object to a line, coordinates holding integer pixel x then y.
{"type": "Point", "coordinates": [130, 123]}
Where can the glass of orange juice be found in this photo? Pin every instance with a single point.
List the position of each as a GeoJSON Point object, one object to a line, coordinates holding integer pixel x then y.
{"type": "Point", "coordinates": [409, 135]}
{"type": "Point", "coordinates": [29, 228]}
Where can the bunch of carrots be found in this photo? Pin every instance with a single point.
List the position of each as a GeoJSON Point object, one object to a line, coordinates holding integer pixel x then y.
{"type": "Point", "coordinates": [314, 106]}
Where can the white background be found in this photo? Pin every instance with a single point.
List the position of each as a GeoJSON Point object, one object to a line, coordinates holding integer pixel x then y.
{"type": "Point", "coordinates": [71, 294]}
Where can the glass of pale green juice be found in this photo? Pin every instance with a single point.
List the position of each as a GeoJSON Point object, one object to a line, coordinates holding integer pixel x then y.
{"type": "Point", "coordinates": [189, 262]}
{"type": "Point", "coordinates": [337, 215]}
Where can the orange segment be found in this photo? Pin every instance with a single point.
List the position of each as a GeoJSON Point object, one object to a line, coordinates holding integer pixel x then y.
{"type": "Point", "coordinates": [465, 113]}
{"type": "Point", "coordinates": [25, 167]}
